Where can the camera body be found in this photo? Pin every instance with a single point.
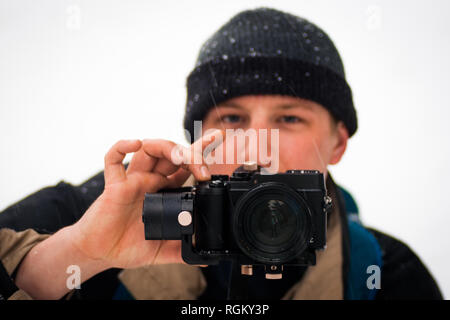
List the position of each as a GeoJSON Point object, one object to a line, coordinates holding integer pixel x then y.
{"type": "Point", "coordinates": [249, 217]}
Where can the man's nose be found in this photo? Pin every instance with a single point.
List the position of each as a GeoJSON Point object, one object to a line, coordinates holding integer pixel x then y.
{"type": "Point", "coordinates": [258, 149]}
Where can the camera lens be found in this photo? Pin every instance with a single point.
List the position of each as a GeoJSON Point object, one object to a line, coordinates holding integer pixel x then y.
{"type": "Point", "coordinates": [272, 223]}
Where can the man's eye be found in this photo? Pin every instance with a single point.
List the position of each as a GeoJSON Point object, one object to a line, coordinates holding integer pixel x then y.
{"type": "Point", "coordinates": [232, 118]}
{"type": "Point", "coordinates": [289, 119]}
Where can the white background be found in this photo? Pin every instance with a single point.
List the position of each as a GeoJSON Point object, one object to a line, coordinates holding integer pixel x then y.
{"type": "Point", "coordinates": [76, 76]}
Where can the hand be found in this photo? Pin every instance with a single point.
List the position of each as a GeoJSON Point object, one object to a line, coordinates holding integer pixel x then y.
{"type": "Point", "coordinates": [112, 229]}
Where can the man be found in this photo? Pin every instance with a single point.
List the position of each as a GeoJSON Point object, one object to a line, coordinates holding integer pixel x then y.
{"type": "Point", "coordinates": [264, 69]}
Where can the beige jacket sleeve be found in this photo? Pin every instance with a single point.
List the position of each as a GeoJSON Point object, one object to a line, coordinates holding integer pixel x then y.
{"type": "Point", "coordinates": [14, 246]}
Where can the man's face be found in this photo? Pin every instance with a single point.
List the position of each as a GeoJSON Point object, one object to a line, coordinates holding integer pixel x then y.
{"type": "Point", "coordinates": [308, 137]}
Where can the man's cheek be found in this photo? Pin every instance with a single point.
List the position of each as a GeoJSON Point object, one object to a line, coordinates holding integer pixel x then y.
{"type": "Point", "coordinates": [292, 153]}
{"type": "Point", "coordinates": [296, 154]}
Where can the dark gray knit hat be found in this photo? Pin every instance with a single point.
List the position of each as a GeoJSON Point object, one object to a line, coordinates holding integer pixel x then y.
{"type": "Point", "coordinates": [267, 51]}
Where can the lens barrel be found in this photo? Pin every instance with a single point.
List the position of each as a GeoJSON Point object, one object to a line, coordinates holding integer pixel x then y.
{"type": "Point", "coordinates": [160, 215]}
{"type": "Point", "coordinates": [272, 223]}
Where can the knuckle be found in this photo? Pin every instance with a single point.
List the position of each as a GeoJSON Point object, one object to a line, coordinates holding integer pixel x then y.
{"type": "Point", "coordinates": [148, 141]}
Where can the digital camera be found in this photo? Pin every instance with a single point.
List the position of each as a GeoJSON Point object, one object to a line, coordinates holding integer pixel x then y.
{"type": "Point", "coordinates": [249, 217]}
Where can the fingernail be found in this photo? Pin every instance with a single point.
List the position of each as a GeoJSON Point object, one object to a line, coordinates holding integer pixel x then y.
{"type": "Point", "coordinates": [205, 172]}
{"type": "Point", "coordinates": [175, 155]}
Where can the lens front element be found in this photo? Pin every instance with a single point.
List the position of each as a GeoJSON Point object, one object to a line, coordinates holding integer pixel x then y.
{"type": "Point", "coordinates": [272, 223]}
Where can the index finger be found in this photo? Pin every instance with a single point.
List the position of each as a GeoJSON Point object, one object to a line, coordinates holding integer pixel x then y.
{"type": "Point", "coordinates": [189, 158]}
{"type": "Point", "coordinates": [114, 168]}
{"type": "Point", "coordinates": [200, 146]}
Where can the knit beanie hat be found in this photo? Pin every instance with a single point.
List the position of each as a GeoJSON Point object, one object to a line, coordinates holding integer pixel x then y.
{"type": "Point", "coordinates": [267, 51]}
